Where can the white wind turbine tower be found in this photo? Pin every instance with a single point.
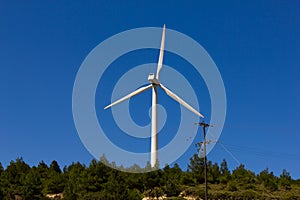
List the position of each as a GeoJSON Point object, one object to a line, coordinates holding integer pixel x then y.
{"type": "Point", "coordinates": [154, 84]}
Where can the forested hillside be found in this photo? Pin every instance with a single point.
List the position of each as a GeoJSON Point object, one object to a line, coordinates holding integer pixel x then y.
{"type": "Point", "coordinates": [97, 181]}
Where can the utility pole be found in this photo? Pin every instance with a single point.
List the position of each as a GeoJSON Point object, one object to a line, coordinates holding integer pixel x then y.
{"type": "Point", "coordinates": [204, 126]}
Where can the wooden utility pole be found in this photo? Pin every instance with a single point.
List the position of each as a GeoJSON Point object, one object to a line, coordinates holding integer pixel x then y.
{"type": "Point", "coordinates": [204, 126]}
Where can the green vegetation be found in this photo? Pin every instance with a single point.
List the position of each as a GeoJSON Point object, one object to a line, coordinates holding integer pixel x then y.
{"type": "Point", "coordinates": [98, 181]}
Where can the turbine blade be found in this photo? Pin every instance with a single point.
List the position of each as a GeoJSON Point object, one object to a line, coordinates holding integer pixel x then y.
{"type": "Point", "coordinates": [161, 52]}
{"type": "Point", "coordinates": [140, 90]}
{"type": "Point", "coordinates": [179, 100]}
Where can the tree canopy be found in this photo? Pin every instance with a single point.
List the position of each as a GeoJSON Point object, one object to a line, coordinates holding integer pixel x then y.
{"type": "Point", "coordinates": [98, 181]}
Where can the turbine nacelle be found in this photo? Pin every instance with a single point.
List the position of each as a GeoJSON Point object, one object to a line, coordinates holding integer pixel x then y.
{"type": "Point", "coordinates": [152, 79]}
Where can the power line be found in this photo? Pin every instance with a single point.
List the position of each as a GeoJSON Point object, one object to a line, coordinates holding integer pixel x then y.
{"type": "Point", "coordinates": [229, 152]}
{"type": "Point", "coordinates": [261, 153]}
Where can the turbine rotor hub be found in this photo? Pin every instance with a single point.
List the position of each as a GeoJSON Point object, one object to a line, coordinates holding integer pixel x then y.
{"type": "Point", "coordinates": [152, 79]}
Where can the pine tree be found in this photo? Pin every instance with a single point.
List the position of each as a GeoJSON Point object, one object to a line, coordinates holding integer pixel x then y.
{"type": "Point", "coordinates": [285, 180]}
{"type": "Point", "coordinates": [224, 172]}
{"type": "Point", "coordinates": [268, 180]}
{"type": "Point", "coordinates": [196, 168]}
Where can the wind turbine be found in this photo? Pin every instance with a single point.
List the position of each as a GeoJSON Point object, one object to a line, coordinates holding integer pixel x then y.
{"type": "Point", "coordinates": [154, 84]}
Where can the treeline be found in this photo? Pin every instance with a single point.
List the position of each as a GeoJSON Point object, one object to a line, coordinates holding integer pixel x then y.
{"type": "Point", "coordinates": [98, 181]}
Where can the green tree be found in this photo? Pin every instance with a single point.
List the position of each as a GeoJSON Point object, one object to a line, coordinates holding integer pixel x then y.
{"type": "Point", "coordinates": [152, 179]}
{"type": "Point", "coordinates": [1, 168]}
{"type": "Point", "coordinates": [268, 180]}
{"type": "Point", "coordinates": [135, 181]}
{"type": "Point", "coordinates": [54, 181]}
{"type": "Point", "coordinates": [135, 168]}
{"type": "Point", "coordinates": [1, 192]}
{"type": "Point", "coordinates": [95, 175]}
{"type": "Point", "coordinates": [32, 187]}
{"type": "Point", "coordinates": [243, 176]}
{"type": "Point", "coordinates": [213, 173]}
{"type": "Point", "coordinates": [104, 160]}
{"type": "Point", "coordinates": [187, 178]}
{"type": "Point", "coordinates": [116, 187]}
{"type": "Point", "coordinates": [171, 180]}
{"type": "Point", "coordinates": [42, 169]}
{"type": "Point", "coordinates": [55, 167]}
{"type": "Point", "coordinates": [224, 168]}
{"type": "Point", "coordinates": [11, 178]}
{"type": "Point", "coordinates": [196, 167]}
{"type": "Point", "coordinates": [74, 184]}
{"type": "Point", "coordinates": [285, 180]}
{"type": "Point", "coordinates": [225, 175]}
{"type": "Point", "coordinates": [148, 166]}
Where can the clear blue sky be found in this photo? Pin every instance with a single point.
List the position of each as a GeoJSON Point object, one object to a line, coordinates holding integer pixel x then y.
{"type": "Point", "coordinates": [255, 45]}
